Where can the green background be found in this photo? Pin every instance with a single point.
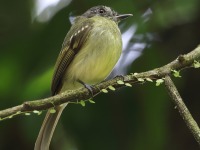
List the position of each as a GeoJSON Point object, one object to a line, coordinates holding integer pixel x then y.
{"type": "Point", "coordinates": [138, 118]}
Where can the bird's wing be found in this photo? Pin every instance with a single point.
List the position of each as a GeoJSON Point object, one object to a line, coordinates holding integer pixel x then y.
{"type": "Point", "coordinates": [73, 42]}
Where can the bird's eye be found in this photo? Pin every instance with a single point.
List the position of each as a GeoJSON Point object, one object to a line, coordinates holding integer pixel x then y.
{"type": "Point", "coordinates": [101, 11]}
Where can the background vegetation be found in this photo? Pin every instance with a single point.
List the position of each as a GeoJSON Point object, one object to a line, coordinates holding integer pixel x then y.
{"type": "Point", "coordinates": [137, 118]}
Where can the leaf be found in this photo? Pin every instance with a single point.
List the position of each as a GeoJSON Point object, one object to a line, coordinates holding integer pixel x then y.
{"type": "Point", "coordinates": [120, 82]}
{"type": "Point", "coordinates": [36, 111]}
{"type": "Point", "coordinates": [91, 101]}
{"type": "Point", "coordinates": [149, 79]}
{"type": "Point", "coordinates": [159, 82]}
{"type": "Point", "coordinates": [176, 73]}
{"type": "Point", "coordinates": [10, 116]}
{"type": "Point", "coordinates": [19, 112]}
{"type": "Point", "coordinates": [135, 74]}
{"type": "Point", "coordinates": [40, 112]}
{"type": "Point", "coordinates": [27, 114]}
{"type": "Point", "coordinates": [140, 79]}
{"type": "Point", "coordinates": [128, 84]}
{"type": "Point", "coordinates": [82, 102]}
{"type": "Point", "coordinates": [111, 87]}
{"type": "Point", "coordinates": [52, 110]}
{"type": "Point", "coordinates": [104, 91]}
{"type": "Point", "coordinates": [196, 64]}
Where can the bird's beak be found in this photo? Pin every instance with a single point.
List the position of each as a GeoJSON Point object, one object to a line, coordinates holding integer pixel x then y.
{"type": "Point", "coordinates": [123, 16]}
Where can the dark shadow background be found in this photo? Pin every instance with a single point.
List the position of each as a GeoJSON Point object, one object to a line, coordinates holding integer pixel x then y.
{"type": "Point", "coordinates": [138, 118]}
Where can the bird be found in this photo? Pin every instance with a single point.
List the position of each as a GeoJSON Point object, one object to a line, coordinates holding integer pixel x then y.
{"type": "Point", "coordinates": [89, 53]}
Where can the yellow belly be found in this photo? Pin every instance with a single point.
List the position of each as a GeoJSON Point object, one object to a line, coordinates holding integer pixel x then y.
{"type": "Point", "coordinates": [95, 61]}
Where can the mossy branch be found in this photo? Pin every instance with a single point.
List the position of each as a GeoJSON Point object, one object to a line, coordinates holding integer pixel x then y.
{"type": "Point", "coordinates": [182, 62]}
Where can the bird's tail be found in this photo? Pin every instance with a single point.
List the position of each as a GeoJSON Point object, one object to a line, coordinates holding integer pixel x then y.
{"type": "Point", "coordinates": [47, 129]}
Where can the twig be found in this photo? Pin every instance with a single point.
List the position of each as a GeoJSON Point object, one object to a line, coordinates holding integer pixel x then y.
{"type": "Point", "coordinates": [182, 62]}
{"type": "Point", "coordinates": [183, 110]}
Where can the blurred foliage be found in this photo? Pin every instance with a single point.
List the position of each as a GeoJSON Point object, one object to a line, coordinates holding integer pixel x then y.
{"type": "Point", "coordinates": [137, 118]}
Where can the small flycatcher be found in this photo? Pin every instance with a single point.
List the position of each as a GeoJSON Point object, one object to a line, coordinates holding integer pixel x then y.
{"type": "Point", "coordinates": [89, 52]}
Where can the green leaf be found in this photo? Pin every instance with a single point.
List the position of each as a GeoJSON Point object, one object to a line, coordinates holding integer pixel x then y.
{"type": "Point", "coordinates": [36, 111]}
{"type": "Point", "coordinates": [91, 101]}
{"type": "Point", "coordinates": [148, 79]}
{"type": "Point", "coordinates": [82, 102]}
{"type": "Point", "coordinates": [135, 74]}
{"type": "Point", "coordinates": [10, 116]}
{"type": "Point", "coordinates": [140, 79]}
{"type": "Point", "coordinates": [40, 112]}
{"type": "Point", "coordinates": [104, 91]}
{"type": "Point", "coordinates": [176, 73]}
{"type": "Point", "coordinates": [159, 82]}
{"type": "Point", "coordinates": [52, 110]}
{"type": "Point", "coordinates": [111, 87]}
{"type": "Point", "coordinates": [27, 114]}
{"type": "Point", "coordinates": [120, 82]}
{"type": "Point", "coordinates": [128, 84]}
{"type": "Point", "coordinates": [19, 112]}
{"type": "Point", "coordinates": [196, 64]}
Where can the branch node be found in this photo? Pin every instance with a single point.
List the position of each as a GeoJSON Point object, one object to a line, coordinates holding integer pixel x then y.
{"type": "Point", "coordinates": [181, 58]}
{"type": "Point", "coordinates": [119, 77]}
{"type": "Point", "coordinates": [27, 106]}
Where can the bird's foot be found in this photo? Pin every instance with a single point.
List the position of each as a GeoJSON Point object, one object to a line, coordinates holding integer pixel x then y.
{"type": "Point", "coordinates": [87, 86]}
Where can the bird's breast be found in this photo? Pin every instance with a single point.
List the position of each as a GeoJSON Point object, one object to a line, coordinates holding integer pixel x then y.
{"type": "Point", "coordinates": [96, 59]}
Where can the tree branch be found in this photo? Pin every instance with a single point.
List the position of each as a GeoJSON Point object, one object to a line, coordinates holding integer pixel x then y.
{"type": "Point", "coordinates": [183, 110]}
{"type": "Point", "coordinates": [183, 61]}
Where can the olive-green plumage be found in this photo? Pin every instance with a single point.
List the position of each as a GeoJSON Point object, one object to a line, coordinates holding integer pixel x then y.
{"type": "Point", "coordinates": [97, 57]}
{"type": "Point", "coordinates": [89, 52]}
